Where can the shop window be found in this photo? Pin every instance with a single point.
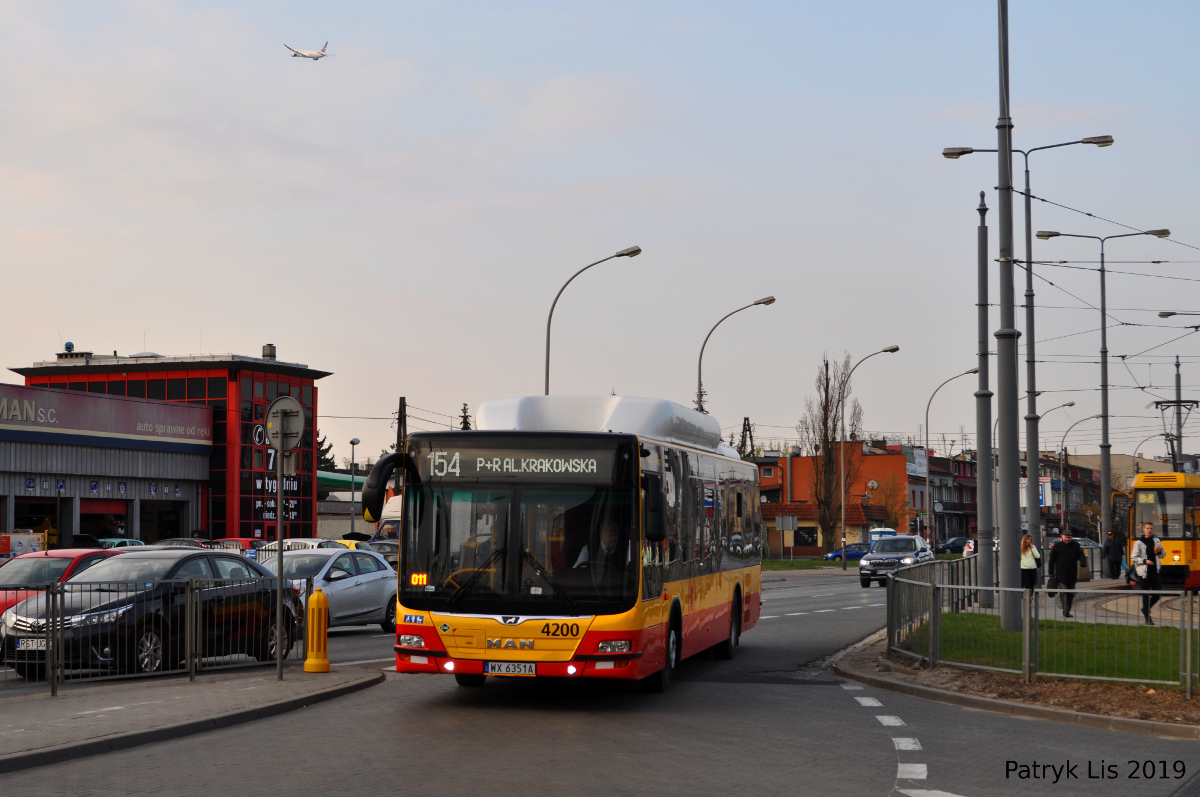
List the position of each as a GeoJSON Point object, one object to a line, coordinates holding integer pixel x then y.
{"type": "Point", "coordinates": [306, 395]}
{"type": "Point", "coordinates": [246, 410]}
{"type": "Point", "coordinates": [217, 405]}
{"type": "Point", "coordinates": [247, 506]}
{"type": "Point", "coordinates": [272, 391]}
{"type": "Point", "coordinates": [156, 389]}
{"type": "Point", "coordinates": [245, 483]}
{"type": "Point", "coordinates": [247, 434]}
{"type": "Point", "coordinates": [260, 411]}
{"type": "Point", "coordinates": [59, 385]}
{"type": "Point", "coordinates": [216, 458]}
{"type": "Point", "coordinates": [176, 389]}
{"type": "Point", "coordinates": [306, 462]}
{"type": "Point", "coordinates": [78, 386]}
{"type": "Point", "coordinates": [216, 482]}
{"type": "Point", "coordinates": [217, 527]}
{"type": "Point", "coordinates": [247, 387]}
{"type": "Point", "coordinates": [245, 460]}
{"type": "Point", "coordinates": [306, 440]}
{"type": "Point", "coordinates": [137, 388]}
{"type": "Point", "coordinates": [308, 417]}
{"type": "Point", "coordinates": [258, 390]}
{"type": "Point", "coordinates": [196, 387]}
{"type": "Point", "coordinates": [218, 430]}
{"type": "Point", "coordinates": [96, 387]}
{"type": "Point", "coordinates": [116, 388]}
{"type": "Point", "coordinates": [258, 459]}
{"type": "Point", "coordinates": [244, 530]}
{"type": "Point", "coordinates": [217, 387]}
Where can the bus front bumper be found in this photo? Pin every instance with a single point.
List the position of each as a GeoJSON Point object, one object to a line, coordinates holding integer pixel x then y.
{"type": "Point", "coordinates": [622, 665]}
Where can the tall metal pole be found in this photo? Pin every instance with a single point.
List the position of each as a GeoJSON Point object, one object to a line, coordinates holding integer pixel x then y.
{"type": "Point", "coordinates": [983, 420]}
{"type": "Point", "coordinates": [1178, 464]}
{"type": "Point", "coordinates": [700, 361]}
{"type": "Point", "coordinates": [842, 447]}
{"type": "Point", "coordinates": [928, 494]}
{"type": "Point", "coordinates": [279, 562]}
{"type": "Point", "coordinates": [1033, 457]}
{"type": "Point", "coordinates": [1008, 498]}
{"type": "Point", "coordinates": [1105, 446]}
{"type": "Point", "coordinates": [353, 443]}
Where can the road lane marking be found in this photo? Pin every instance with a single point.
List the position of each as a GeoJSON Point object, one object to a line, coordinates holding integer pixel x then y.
{"type": "Point", "coordinates": [925, 793]}
{"type": "Point", "coordinates": [851, 687]}
{"type": "Point", "coordinates": [906, 744]}
{"type": "Point", "coordinates": [868, 701]}
{"type": "Point", "coordinates": [769, 617]}
{"type": "Point", "coordinates": [848, 608]}
{"type": "Point", "coordinates": [795, 614]}
{"type": "Point", "coordinates": [367, 661]}
{"type": "Point", "coordinates": [877, 604]}
{"type": "Point", "coordinates": [822, 611]}
{"type": "Point", "coordinates": [911, 772]}
{"type": "Point", "coordinates": [891, 722]}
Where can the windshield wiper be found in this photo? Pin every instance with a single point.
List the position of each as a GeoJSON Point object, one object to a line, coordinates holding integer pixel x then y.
{"type": "Point", "coordinates": [545, 574]}
{"type": "Point", "coordinates": [478, 574]}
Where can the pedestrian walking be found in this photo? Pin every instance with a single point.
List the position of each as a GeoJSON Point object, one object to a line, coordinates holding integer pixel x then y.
{"type": "Point", "coordinates": [1065, 557]}
{"type": "Point", "coordinates": [1030, 561]}
{"type": "Point", "coordinates": [1113, 551]}
{"type": "Point", "coordinates": [1146, 552]}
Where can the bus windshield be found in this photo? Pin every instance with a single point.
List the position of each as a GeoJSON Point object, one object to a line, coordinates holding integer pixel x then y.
{"type": "Point", "coordinates": [1171, 511]}
{"type": "Point", "coordinates": [557, 538]}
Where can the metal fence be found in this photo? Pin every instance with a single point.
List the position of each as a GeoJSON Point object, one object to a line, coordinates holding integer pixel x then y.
{"type": "Point", "coordinates": [1086, 633]}
{"type": "Point", "coordinates": [71, 631]}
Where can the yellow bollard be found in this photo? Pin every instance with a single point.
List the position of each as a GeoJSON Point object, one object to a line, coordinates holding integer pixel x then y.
{"type": "Point", "coordinates": [318, 633]}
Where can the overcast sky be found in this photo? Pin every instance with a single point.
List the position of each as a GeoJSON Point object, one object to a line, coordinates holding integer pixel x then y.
{"type": "Point", "coordinates": [403, 212]}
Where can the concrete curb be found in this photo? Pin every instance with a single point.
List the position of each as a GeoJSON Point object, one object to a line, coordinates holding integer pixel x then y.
{"type": "Point", "coordinates": [1171, 729]}
{"type": "Point", "coordinates": [124, 741]}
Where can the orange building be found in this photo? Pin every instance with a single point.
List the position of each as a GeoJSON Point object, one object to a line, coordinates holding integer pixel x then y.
{"type": "Point", "coordinates": [878, 493]}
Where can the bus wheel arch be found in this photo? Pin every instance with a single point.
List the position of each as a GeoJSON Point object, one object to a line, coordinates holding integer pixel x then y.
{"type": "Point", "coordinates": [725, 650]}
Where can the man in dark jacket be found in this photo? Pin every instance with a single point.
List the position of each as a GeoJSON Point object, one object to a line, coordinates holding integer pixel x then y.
{"type": "Point", "coordinates": [1113, 551]}
{"type": "Point", "coordinates": [1065, 557]}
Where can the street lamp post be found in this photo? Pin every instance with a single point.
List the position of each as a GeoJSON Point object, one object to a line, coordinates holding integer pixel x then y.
{"type": "Point", "coordinates": [632, 251]}
{"type": "Point", "coordinates": [1029, 468]}
{"type": "Point", "coordinates": [928, 494]}
{"type": "Point", "coordinates": [1062, 475]}
{"type": "Point", "coordinates": [842, 448]}
{"type": "Point", "coordinates": [1105, 446]}
{"type": "Point", "coordinates": [1031, 415]}
{"type": "Point", "coordinates": [700, 364]}
{"type": "Point", "coordinates": [353, 442]}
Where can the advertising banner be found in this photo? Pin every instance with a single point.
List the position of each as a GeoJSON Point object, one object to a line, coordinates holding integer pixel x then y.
{"type": "Point", "coordinates": [68, 417]}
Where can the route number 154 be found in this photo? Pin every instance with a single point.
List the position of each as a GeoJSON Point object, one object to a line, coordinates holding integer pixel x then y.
{"type": "Point", "coordinates": [440, 466]}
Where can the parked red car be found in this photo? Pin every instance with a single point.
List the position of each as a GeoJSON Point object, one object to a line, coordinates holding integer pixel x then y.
{"type": "Point", "coordinates": [43, 566]}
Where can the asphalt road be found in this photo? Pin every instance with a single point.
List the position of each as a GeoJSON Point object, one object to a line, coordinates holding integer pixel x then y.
{"type": "Point", "coordinates": [770, 722]}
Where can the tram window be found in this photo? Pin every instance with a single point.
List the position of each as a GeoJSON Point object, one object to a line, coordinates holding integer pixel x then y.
{"type": "Point", "coordinates": [137, 388]}
{"type": "Point", "coordinates": [156, 389]}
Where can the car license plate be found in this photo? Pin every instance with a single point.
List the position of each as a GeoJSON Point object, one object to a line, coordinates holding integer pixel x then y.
{"type": "Point", "coordinates": [31, 644]}
{"type": "Point", "coordinates": [509, 668]}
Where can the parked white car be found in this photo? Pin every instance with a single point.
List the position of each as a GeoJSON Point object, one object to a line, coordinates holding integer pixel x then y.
{"type": "Point", "coordinates": [360, 585]}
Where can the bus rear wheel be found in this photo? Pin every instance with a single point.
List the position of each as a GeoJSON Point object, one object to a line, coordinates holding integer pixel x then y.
{"type": "Point", "coordinates": [725, 650]}
{"type": "Point", "coordinates": [468, 679]}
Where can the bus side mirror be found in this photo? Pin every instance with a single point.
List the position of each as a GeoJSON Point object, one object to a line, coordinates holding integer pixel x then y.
{"type": "Point", "coordinates": [655, 527]}
{"type": "Point", "coordinates": [374, 492]}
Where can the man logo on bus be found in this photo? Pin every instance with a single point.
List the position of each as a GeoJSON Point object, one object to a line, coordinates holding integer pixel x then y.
{"type": "Point", "coordinates": [510, 620]}
{"type": "Point", "coordinates": [515, 644]}
{"type": "Point", "coordinates": [419, 579]}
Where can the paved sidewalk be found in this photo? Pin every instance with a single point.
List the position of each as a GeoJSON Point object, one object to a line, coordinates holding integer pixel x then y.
{"type": "Point", "coordinates": [36, 729]}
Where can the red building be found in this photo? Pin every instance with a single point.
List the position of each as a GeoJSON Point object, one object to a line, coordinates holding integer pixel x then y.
{"type": "Point", "coordinates": [238, 499]}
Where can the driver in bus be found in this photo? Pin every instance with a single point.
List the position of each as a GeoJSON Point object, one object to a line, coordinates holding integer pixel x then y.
{"type": "Point", "coordinates": [607, 566]}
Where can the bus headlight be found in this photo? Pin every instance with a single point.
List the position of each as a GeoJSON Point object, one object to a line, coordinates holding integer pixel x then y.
{"type": "Point", "coordinates": [410, 641]}
{"type": "Point", "coordinates": [614, 646]}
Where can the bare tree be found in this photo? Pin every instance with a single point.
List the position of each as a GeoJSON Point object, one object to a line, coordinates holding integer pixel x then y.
{"type": "Point", "coordinates": [820, 431]}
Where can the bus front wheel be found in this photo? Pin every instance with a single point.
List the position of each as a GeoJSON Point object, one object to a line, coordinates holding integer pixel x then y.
{"type": "Point", "coordinates": [659, 681]}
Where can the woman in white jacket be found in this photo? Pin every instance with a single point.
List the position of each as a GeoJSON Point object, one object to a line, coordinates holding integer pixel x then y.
{"type": "Point", "coordinates": [1030, 557]}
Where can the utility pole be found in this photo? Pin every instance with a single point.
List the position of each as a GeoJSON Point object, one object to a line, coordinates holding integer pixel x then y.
{"type": "Point", "coordinates": [746, 446]}
{"type": "Point", "coordinates": [1175, 441]}
{"type": "Point", "coordinates": [983, 421]}
{"type": "Point", "coordinates": [465, 419]}
{"type": "Point", "coordinates": [1008, 498]}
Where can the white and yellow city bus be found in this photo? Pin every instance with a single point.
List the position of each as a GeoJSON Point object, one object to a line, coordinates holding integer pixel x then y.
{"type": "Point", "coordinates": [1171, 501]}
{"type": "Point", "coordinates": [573, 536]}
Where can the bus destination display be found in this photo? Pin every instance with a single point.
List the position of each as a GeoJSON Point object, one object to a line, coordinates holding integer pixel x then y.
{"type": "Point", "coordinates": [502, 464]}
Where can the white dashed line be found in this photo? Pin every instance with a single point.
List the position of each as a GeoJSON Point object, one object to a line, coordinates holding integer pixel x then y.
{"type": "Point", "coordinates": [848, 608]}
{"type": "Point", "coordinates": [851, 687]}
{"type": "Point", "coordinates": [822, 611]}
{"type": "Point", "coordinates": [892, 722]}
{"type": "Point", "coordinates": [796, 614]}
{"type": "Point", "coordinates": [877, 604]}
{"type": "Point", "coordinates": [911, 772]}
{"type": "Point", "coordinates": [868, 701]}
{"type": "Point", "coordinates": [769, 617]}
{"type": "Point", "coordinates": [906, 744]}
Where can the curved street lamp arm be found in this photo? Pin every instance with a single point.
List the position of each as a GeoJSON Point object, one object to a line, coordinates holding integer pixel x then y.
{"type": "Point", "coordinates": [700, 362]}
{"type": "Point", "coordinates": [550, 318]}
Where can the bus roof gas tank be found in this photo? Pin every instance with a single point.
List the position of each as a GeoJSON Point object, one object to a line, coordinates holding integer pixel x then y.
{"type": "Point", "coordinates": [649, 417]}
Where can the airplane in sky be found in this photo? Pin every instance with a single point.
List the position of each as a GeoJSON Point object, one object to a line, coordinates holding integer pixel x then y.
{"type": "Point", "coordinates": [309, 53]}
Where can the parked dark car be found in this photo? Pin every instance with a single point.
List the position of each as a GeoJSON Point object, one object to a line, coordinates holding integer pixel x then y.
{"type": "Point", "coordinates": [128, 613]}
{"type": "Point", "coordinates": [854, 550]}
{"type": "Point", "coordinates": [952, 545]}
{"type": "Point", "coordinates": [890, 553]}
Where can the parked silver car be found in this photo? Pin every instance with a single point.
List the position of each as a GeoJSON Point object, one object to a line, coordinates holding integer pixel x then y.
{"type": "Point", "coordinates": [360, 585]}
